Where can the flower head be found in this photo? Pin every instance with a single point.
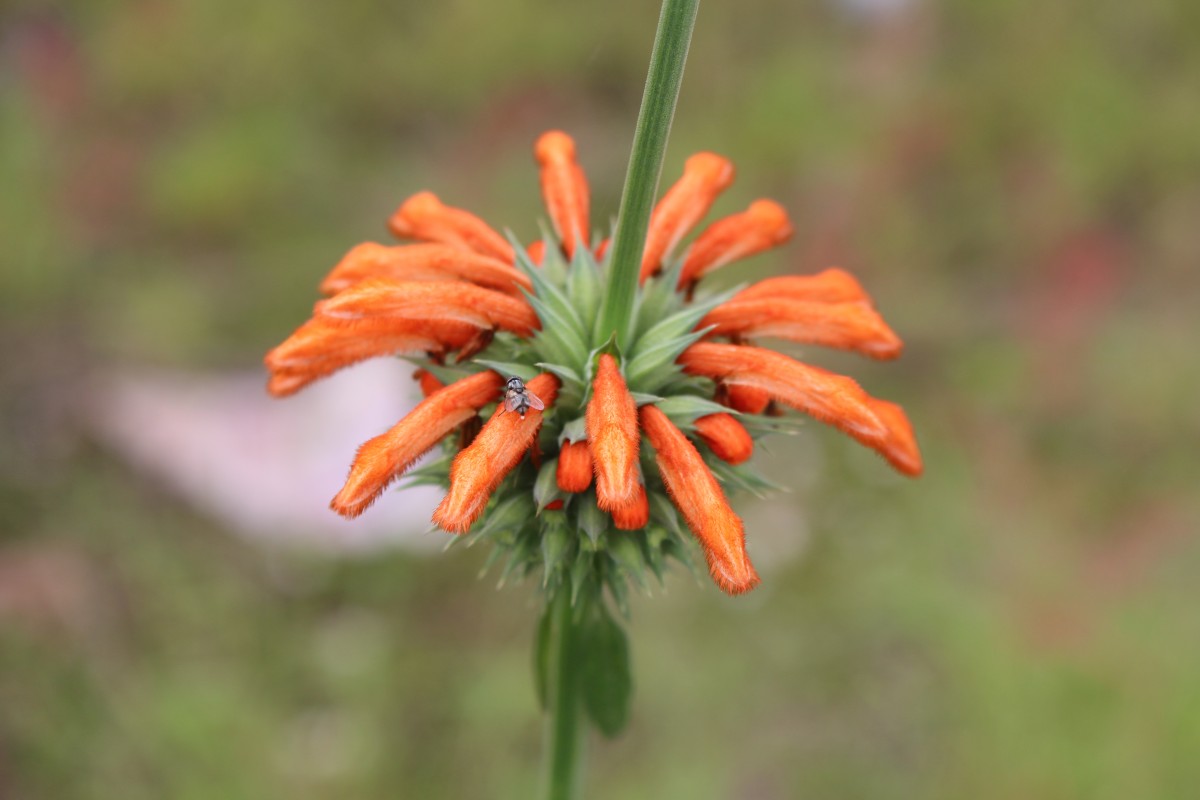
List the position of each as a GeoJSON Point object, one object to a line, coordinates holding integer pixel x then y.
{"type": "Point", "coordinates": [629, 446]}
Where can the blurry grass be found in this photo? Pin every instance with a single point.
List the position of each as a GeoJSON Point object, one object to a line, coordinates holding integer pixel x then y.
{"type": "Point", "coordinates": [1016, 624]}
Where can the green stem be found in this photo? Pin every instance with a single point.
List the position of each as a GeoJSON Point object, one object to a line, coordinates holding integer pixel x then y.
{"type": "Point", "coordinates": [564, 723]}
{"type": "Point", "coordinates": [671, 44]}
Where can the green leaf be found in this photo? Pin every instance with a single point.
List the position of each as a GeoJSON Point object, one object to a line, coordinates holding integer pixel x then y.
{"type": "Point", "coordinates": [655, 365]}
{"type": "Point", "coordinates": [545, 488]}
{"type": "Point", "coordinates": [591, 519]}
{"type": "Point", "coordinates": [628, 556]}
{"type": "Point", "coordinates": [566, 373]}
{"type": "Point", "coordinates": [574, 431]}
{"type": "Point", "coordinates": [508, 369]}
{"type": "Point", "coordinates": [556, 545]}
{"type": "Point", "coordinates": [605, 679]}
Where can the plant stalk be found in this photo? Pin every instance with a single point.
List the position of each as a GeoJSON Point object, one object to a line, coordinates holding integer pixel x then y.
{"type": "Point", "coordinates": [671, 43]}
{"type": "Point", "coordinates": [564, 720]}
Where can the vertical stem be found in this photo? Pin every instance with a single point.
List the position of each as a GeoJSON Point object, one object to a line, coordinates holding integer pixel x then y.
{"type": "Point", "coordinates": [671, 44]}
{"type": "Point", "coordinates": [564, 723]}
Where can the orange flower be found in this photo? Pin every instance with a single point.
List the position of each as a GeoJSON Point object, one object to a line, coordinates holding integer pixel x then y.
{"type": "Point", "coordinates": [845, 326]}
{"type": "Point", "coordinates": [699, 498]}
{"type": "Point", "coordinates": [830, 286]}
{"type": "Point", "coordinates": [746, 399]}
{"type": "Point", "coordinates": [705, 176]}
{"type": "Point", "coordinates": [574, 467]}
{"type": "Point", "coordinates": [833, 399]}
{"type": "Point", "coordinates": [387, 456]}
{"type": "Point", "coordinates": [430, 302]}
{"type": "Point", "coordinates": [612, 435]}
{"type": "Point", "coordinates": [461, 290]}
{"type": "Point", "coordinates": [424, 217]}
{"type": "Point", "coordinates": [320, 347]}
{"type": "Point", "coordinates": [634, 514]}
{"type": "Point", "coordinates": [564, 187]}
{"type": "Point", "coordinates": [726, 437]}
{"type": "Point", "coordinates": [760, 227]}
{"type": "Point", "coordinates": [482, 465]}
{"type": "Point", "coordinates": [422, 262]}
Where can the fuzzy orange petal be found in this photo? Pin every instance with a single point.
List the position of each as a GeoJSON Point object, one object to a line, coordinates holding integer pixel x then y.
{"type": "Point", "coordinates": [383, 459]}
{"type": "Point", "coordinates": [564, 188]}
{"type": "Point", "coordinates": [760, 227]}
{"type": "Point", "coordinates": [745, 399]}
{"type": "Point", "coordinates": [574, 472]}
{"type": "Point", "coordinates": [845, 326]}
{"type": "Point", "coordinates": [482, 465]}
{"type": "Point", "coordinates": [829, 286]}
{"type": "Point", "coordinates": [423, 262]}
{"type": "Point", "coordinates": [833, 399]}
{"type": "Point", "coordinates": [900, 447]}
{"type": "Point", "coordinates": [700, 500]}
{"type": "Point", "coordinates": [423, 216]}
{"type": "Point", "coordinates": [612, 435]}
{"type": "Point", "coordinates": [705, 176]}
{"type": "Point", "coordinates": [634, 514]}
{"type": "Point", "coordinates": [726, 437]}
{"type": "Point", "coordinates": [381, 298]}
{"type": "Point", "coordinates": [318, 347]}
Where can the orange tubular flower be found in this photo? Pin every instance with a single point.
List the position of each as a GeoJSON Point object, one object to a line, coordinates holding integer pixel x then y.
{"type": "Point", "coordinates": [635, 513]}
{"type": "Point", "coordinates": [746, 399]}
{"type": "Point", "coordinates": [423, 216]}
{"type": "Point", "coordinates": [482, 465]}
{"type": "Point", "coordinates": [319, 347]}
{"type": "Point", "coordinates": [830, 286]}
{"type": "Point", "coordinates": [564, 188]}
{"type": "Point", "coordinates": [422, 262]}
{"type": "Point", "coordinates": [830, 398]}
{"type": "Point", "coordinates": [699, 498]}
{"type": "Point", "coordinates": [574, 467]}
{"type": "Point", "coordinates": [705, 176]}
{"type": "Point", "coordinates": [612, 435]}
{"type": "Point", "coordinates": [845, 326]}
{"type": "Point", "coordinates": [726, 437]}
{"type": "Point", "coordinates": [387, 456]}
{"type": "Point", "coordinates": [462, 290]}
{"type": "Point", "coordinates": [387, 299]}
{"type": "Point", "coordinates": [760, 227]}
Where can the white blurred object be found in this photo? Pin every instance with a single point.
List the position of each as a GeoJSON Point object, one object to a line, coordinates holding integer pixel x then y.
{"type": "Point", "coordinates": [875, 10]}
{"type": "Point", "coordinates": [268, 467]}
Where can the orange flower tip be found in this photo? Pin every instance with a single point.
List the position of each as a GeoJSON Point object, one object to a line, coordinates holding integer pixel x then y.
{"type": "Point", "coordinates": [554, 147]}
{"type": "Point", "coordinates": [716, 171]}
{"type": "Point", "coordinates": [536, 252]}
{"type": "Point", "coordinates": [574, 472]}
{"type": "Point", "coordinates": [900, 445]}
{"type": "Point", "coordinates": [421, 204]}
{"type": "Point", "coordinates": [727, 438]}
{"type": "Point", "coordinates": [733, 580]}
{"type": "Point", "coordinates": [746, 399]}
{"type": "Point", "coordinates": [634, 514]}
{"type": "Point", "coordinates": [554, 505]}
{"type": "Point", "coordinates": [772, 219]}
{"type": "Point", "coordinates": [602, 248]}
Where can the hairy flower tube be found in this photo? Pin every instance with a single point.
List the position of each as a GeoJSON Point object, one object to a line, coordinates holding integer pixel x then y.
{"type": "Point", "coordinates": [637, 444]}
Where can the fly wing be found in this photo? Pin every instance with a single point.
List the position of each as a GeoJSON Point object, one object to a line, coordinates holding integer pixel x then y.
{"type": "Point", "coordinates": [512, 402]}
{"type": "Point", "coordinates": [534, 401]}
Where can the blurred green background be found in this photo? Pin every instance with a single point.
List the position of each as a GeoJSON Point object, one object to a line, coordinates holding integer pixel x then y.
{"type": "Point", "coordinates": [1016, 183]}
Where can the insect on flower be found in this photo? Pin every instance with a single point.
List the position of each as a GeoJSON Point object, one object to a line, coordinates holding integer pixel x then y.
{"type": "Point", "coordinates": [614, 454]}
{"type": "Point", "coordinates": [517, 397]}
